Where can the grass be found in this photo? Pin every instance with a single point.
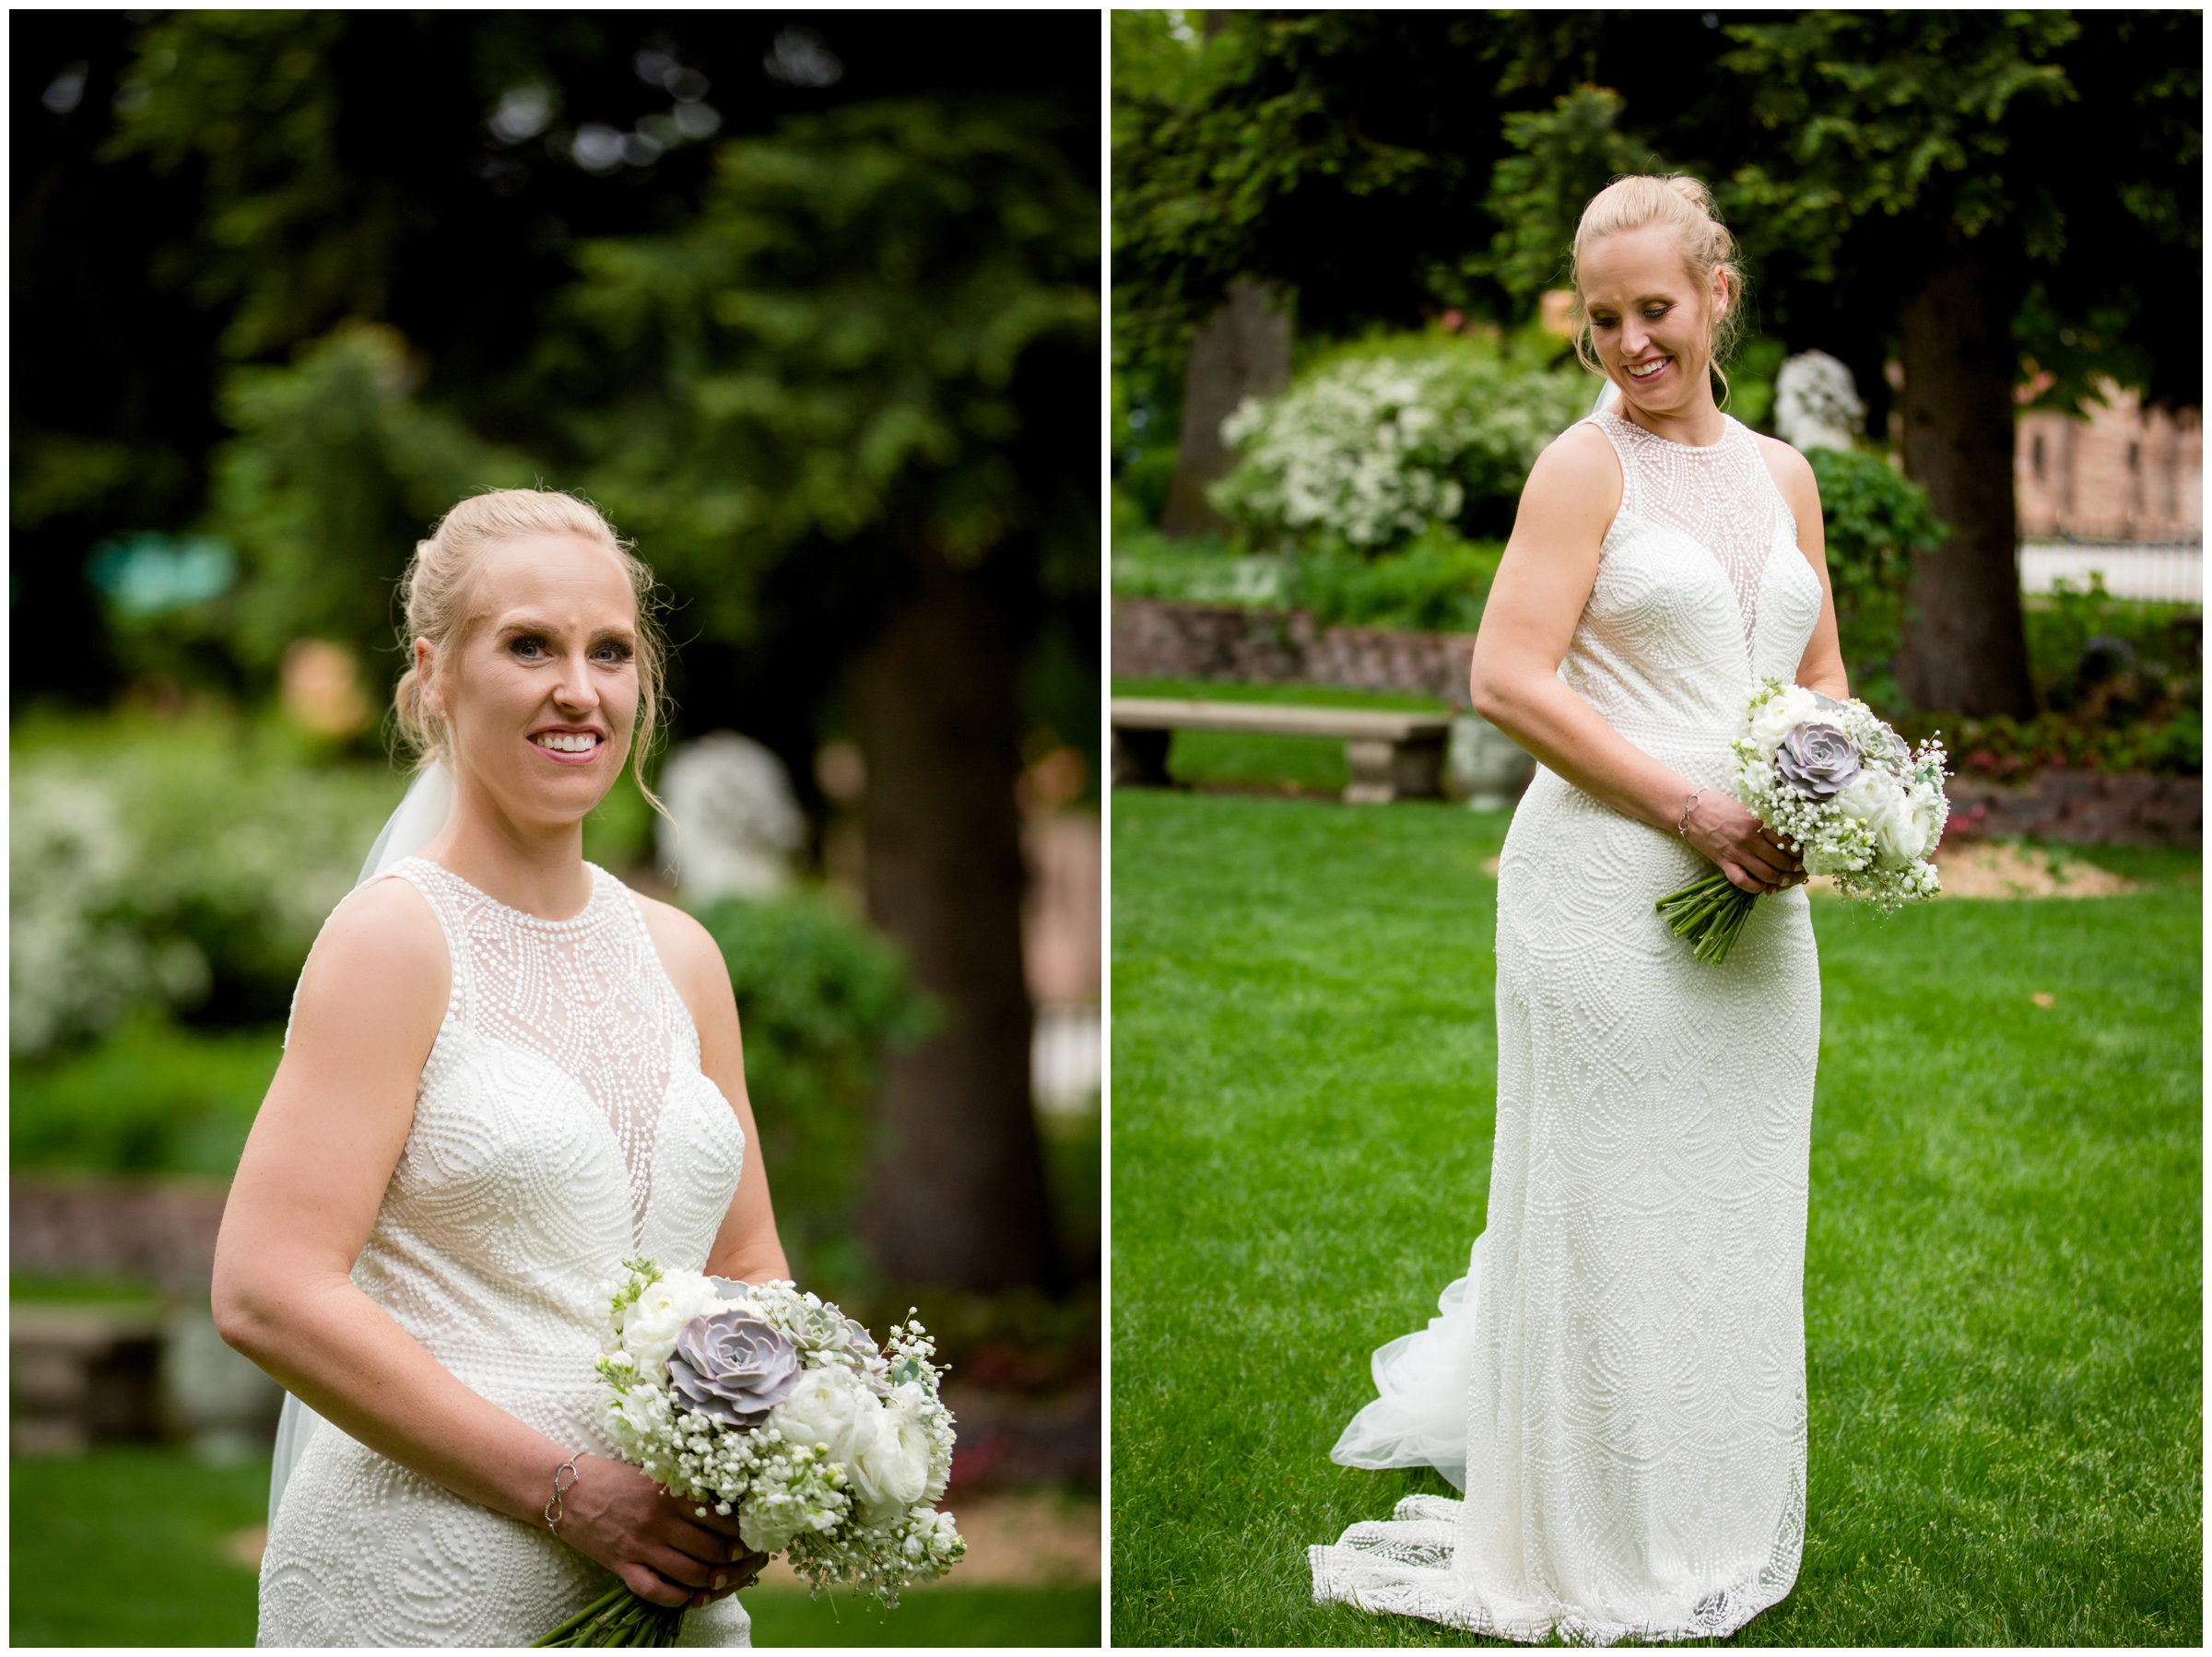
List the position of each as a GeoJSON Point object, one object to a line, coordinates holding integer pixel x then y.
{"type": "Point", "coordinates": [124, 1547]}
{"type": "Point", "coordinates": [2003, 1288]}
{"type": "Point", "coordinates": [1298, 765]}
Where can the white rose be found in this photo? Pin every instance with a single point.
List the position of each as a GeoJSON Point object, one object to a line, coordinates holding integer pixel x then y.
{"type": "Point", "coordinates": [830, 1409]}
{"type": "Point", "coordinates": [650, 1327]}
{"type": "Point", "coordinates": [1874, 798]}
{"type": "Point", "coordinates": [1930, 812]}
{"type": "Point", "coordinates": [891, 1475]}
{"type": "Point", "coordinates": [1778, 716]}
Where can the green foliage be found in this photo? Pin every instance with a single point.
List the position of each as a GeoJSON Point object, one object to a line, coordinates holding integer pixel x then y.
{"type": "Point", "coordinates": [2008, 751]}
{"type": "Point", "coordinates": [185, 863]}
{"type": "Point", "coordinates": [2112, 658]}
{"type": "Point", "coordinates": [1876, 520]}
{"type": "Point", "coordinates": [1210, 141]}
{"type": "Point", "coordinates": [1378, 440]}
{"type": "Point", "coordinates": [619, 835]}
{"type": "Point", "coordinates": [1435, 582]}
{"type": "Point", "coordinates": [1565, 155]}
{"type": "Point", "coordinates": [292, 235]}
{"type": "Point", "coordinates": [1195, 570]}
{"type": "Point", "coordinates": [1889, 114]}
{"type": "Point", "coordinates": [335, 473]}
{"type": "Point", "coordinates": [2003, 1265]}
{"type": "Point", "coordinates": [830, 349]}
{"type": "Point", "coordinates": [149, 1098]}
{"type": "Point", "coordinates": [818, 995]}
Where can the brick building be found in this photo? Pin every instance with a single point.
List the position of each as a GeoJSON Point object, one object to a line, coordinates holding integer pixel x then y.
{"type": "Point", "coordinates": [2123, 474]}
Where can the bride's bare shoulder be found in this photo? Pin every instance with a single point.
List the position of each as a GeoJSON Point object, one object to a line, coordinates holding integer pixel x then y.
{"type": "Point", "coordinates": [1575, 486]}
{"type": "Point", "coordinates": [381, 949]}
{"type": "Point", "coordinates": [688, 955]}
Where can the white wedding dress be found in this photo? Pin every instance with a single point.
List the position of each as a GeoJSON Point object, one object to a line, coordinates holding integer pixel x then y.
{"type": "Point", "coordinates": [1618, 1384]}
{"type": "Point", "coordinates": [561, 1124]}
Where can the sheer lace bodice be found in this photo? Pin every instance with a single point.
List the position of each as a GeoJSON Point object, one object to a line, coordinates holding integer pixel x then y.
{"type": "Point", "coordinates": [1617, 1384]}
{"type": "Point", "coordinates": [562, 1123]}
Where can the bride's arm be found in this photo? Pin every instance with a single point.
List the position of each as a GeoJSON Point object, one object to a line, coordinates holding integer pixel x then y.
{"type": "Point", "coordinates": [747, 1247]}
{"type": "Point", "coordinates": [1543, 583]}
{"type": "Point", "coordinates": [309, 1185]}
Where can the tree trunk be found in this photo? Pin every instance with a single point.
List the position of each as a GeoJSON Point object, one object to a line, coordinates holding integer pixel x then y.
{"type": "Point", "coordinates": [1242, 351]}
{"type": "Point", "coordinates": [1964, 652]}
{"type": "Point", "coordinates": [958, 1193]}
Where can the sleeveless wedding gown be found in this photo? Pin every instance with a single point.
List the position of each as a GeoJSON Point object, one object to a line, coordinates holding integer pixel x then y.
{"type": "Point", "coordinates": [1618, 1384]}
{"type": "Point", "coordinates": [562, 1123]}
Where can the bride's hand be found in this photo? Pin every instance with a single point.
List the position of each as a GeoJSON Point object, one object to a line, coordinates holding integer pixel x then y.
{"type": "Point", "coordinates": [1746, 850]}
{"type": "Point", "coordinates": [664, 1550]}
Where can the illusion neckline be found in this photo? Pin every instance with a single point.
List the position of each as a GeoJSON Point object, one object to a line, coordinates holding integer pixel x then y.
{"type": "Point", "coordinates": [600, 878]}
{"type": "Point", "coordinates": [1729, 427]}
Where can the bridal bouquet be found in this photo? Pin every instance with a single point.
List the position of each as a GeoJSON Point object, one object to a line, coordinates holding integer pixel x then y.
{"type": "Point", "coordinates": [1840, 789]}
{"type": "Point", "coordinates": [760, 1401]}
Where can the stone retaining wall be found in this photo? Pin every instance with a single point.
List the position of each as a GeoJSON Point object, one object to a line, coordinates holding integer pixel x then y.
{"type": "Point", "coordinates": [2088, 808]}
{"type": "Point", "coordinates": [1153, 638]}
{"type": "Point", "coordinates": [161, 1230]}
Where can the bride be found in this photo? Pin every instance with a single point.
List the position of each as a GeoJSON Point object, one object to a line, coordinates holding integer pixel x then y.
{"type": "Point", "coordinates": [505, 1072]}
{"type": "Point", "coordinates": [1618, 1384]}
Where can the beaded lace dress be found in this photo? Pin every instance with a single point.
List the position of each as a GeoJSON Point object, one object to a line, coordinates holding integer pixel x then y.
{"type": "Point", "coordinates": [1617, 1384]}
{"type": "Point", "coordinates": [562, 1123]}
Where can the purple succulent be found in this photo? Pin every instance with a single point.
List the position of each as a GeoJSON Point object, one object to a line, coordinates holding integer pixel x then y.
{"type": "Point", "coordinates": [733, 1367]}
{"type": "Point", "coordinates": [1817, 761]}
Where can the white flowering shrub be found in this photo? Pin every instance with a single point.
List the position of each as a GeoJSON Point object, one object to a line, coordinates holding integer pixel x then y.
{"type": "Point", "coordinates": [150, 863]}
{"type": "Point", "coordinates": [1378, 442]}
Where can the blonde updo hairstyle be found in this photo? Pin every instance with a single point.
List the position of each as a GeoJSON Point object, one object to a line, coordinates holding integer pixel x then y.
{"type": "Point", "coordinates": [439, 586]}
{"type": "Point", "coordinates": [1685, 207]}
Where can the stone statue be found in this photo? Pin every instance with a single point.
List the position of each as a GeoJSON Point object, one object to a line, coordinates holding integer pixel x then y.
{"type": "Point", "coordinates": [1816, 403]}
{"type": "Point", "coordinates": [735, 823]}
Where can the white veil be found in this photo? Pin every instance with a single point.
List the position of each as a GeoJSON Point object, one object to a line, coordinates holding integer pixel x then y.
{"type": "Point", "coordinates": [413, 826]}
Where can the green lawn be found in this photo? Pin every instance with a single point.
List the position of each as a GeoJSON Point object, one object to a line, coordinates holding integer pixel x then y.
{"type": "Point", "coordinates": [2003, 1293]}
{"type": "Point", "coordinates": [124, 1548]}
{"type": "Point", "coordinates": [1310, 765]}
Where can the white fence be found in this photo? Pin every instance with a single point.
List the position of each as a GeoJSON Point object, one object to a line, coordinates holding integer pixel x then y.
{"type": "Point", "coordinates": [2169, 572]}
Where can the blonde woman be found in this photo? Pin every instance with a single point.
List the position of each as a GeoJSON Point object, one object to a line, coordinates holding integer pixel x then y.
{"type": "Point", "coordinates": [1618, 1384]}
{"type": "Point", "coordinates": [505, 1072]}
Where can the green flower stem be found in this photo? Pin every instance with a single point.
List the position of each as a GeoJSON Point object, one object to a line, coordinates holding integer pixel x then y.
{"type": "Point", "coordinates": [617, 1617]}
{"type": "Point", "coordinates": [1709, 911]}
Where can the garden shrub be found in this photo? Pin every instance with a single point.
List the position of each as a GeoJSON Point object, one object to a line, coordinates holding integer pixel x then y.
{"type": "Point", "coordinates": [1380, 440]}
{"type": "Point", "coordinates": [178, 865]}
{"type": "Point", "coordinates": [2117, 658]}
{"type": "Point", "coordinates": [819, 996]}
{"type": "Point", "coordinates": [150, 1099]}
{"type": "Point", "coordinates": [1436, 583]}
{"type": "Point", "coordinates": [1875, 519]}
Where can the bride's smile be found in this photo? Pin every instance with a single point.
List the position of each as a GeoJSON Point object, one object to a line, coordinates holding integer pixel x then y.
{"type": "Point", "coordinates": [541, 694]}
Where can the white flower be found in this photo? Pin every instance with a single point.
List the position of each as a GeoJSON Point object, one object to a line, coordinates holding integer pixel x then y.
{"type": "Point", "coordinates": [767, 1525]}
{"type": "Point", "coordinates": [1778, 716]}
{"type": "Point", "coordinates": [830, 1409]}
{"type": "Point", "coordinates": [650, 1327]}
{"type": "Point", "coordinates": [1876, 799]}
{"type": "Point", "coordinates": [892, 1473]}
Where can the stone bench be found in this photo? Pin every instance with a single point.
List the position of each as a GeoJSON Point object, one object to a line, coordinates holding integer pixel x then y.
{"type": "Point", "coordinates": [1390, 756]}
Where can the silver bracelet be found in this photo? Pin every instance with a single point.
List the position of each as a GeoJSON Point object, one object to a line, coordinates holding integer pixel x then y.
{"type": "Point", "coordinates": [554, 1509]}
{"type": "Point", "coordinates": [1689, 806]}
